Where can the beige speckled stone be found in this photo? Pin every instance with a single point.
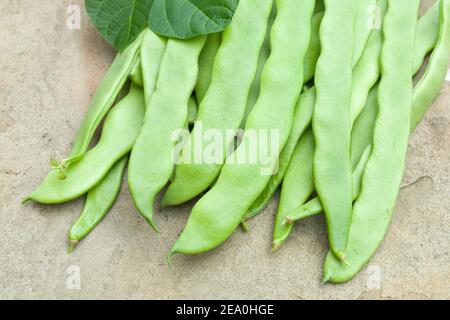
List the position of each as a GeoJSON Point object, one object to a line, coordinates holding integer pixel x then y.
{"type": "Point", "coordinates": [48, 75]}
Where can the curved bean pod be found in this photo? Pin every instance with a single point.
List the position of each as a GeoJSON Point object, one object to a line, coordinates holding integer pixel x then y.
{"type": "Point", "coordinates": [192, 110]}
{"type": "Point", "coordinates": [432, 81]}
{"type": "Point", "coordinates": [427, 34]}
{"type": "Point", "coordinates": [314, 48]}
{"type": "Point", "coordinates": [383, 175]}
{"type": "Point", "coordinates": [367, 71]}
{"type": "Point", "coordinates": [290, 208]}
{"type": "Point", "coordinates": [302, 119]}
{"type": "Point", "coordinates": [152, 159]}
{"type": "Point", "coordinates": [331, 121]}
{"type": "Point", "coordinates": [103, 100]}
{"type": "Point", "coordinates": [314, 207]}
{"type": "Point", "coordinates": [362, 28]}
{"type": "Point", "coordinates": [206, 64]}
{"type": "Point", "coordinates": [362, 134]}
{"type": "Point", "coordinates": [98, 202]}
{"type": "Point", "coordinates": [224, 106]}
{"type": "Point", "coordinates": [120, 130]}
{"type": "Point", "coordinates": [220, 211]}
{"type": "Point", "coordinates": [262, 60]}
{"type": "Point", "coordinates": [304, 154]}
{"type": "Point", "coordinates": [151, 53]}
{"type": "Point", "coordinates": [136, 74]}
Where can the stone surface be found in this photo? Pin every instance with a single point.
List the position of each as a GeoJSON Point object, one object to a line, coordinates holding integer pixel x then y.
{"type": "Point", "coordinates": [49, 73]}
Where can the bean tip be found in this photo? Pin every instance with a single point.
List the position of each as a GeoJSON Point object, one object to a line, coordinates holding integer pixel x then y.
{"type": "Point", "coordinates": [275, 246]}
{"type": "Point", "coordinates": [72, 245]}
{"type": "Point", "coordinates": [25, 200]}
{"type": "Point", "coordinates": [326, 278]}
{"type": "Point", "coordinates": [169, 259]}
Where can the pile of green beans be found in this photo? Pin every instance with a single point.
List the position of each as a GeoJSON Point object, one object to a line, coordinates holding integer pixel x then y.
{"type": "Point", "coordinates": [332, 80]}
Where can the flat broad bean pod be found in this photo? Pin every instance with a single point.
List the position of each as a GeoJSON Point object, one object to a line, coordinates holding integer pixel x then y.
{"type": "Point", "coordinates": [192, 111]}
{"type": "Point", "coordinates": [289, 208]}
{"type": "Point", "coordinates": [102, 102]}
{"type": "Point", "coordinates": [314, 207]}
{"type": "Point", "coordinates": [302, 118]}
{"type": "Point", "coordinates": [363, 28]}
{"type": "Point", "coordinates": [99, 201]}
{"type": "Point", "coordinates": [367, 71]}
{"type": "Point", "coordinates": [362, 134]}
{"type": "Point", "coordinates": [206, 64]}
{"type": "Point", "coordinates": [262, 60]}
{"type": "Point", "coordinates": [151, 53]}
{"type": "Point", "coordinates": [304, 154]}
{"type": "Point", "coordinates": [314, 48]}
{"type": "Point", "coordinates": [383, 175]}
{"type": "Point", "coordinates": [215, 217]}
{"type": "Point", "coordinates": [432, 81]}
{"type": "Point", "coordinates": [152, 158]}
{"type": "Point", "coordinates": [426, 38]}
{"type": "Point", "coordinates": [331, 121]}
{"type": "Point", "coordinates": [427, 34]}
{"type": "Point", "coordinates": [136, 74]}
{"type": "Point", "coordinates": [224, 105]}
{"type": "Point", "coordinates": [122, 126]}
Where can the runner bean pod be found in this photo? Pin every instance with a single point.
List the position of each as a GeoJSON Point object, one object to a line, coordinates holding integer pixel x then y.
{"type": "Point", "coordinates": [383, 175]}
{"type": "Point", "coordinates": [431, 83]}
{"type": "Point", "coordinates": [103, 100]}
{"type": "Point", "coordinates": [331, 121]}
{"type": "Point", "coordinates": [220, 211]}
{"type": "Point", "coordinates": [98, 202]}
{"type": "Point", "coordinates": [206, 64]}
{"type": "Point", "coordinates": [151, 53]}
{"type": "Point", "coordinates": [362, 133]}
{"type": "Point", "coordinates": [120, 130]}
{"type": "Point", "coordinates": [152, 159]}
{"type": "Point", "coordinates": [223, 108]}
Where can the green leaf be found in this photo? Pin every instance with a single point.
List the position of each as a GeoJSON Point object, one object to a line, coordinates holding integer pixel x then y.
{"type": "Point", "coordinates": [185, 19]}
{"type": "Point", "coordinates": [119, 21]}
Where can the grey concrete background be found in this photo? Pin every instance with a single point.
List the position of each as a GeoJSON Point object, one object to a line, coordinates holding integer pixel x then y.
{"type": "Point", "coordinates": [48, 75]}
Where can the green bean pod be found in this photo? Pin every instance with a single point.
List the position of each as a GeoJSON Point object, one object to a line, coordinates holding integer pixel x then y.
{"type": "Point", "coordinates": [99, 201]}
{"type": "Point", "coordinates": [367, 71]}
{"type": "Point", "coordinates": [314, 48]}
{"type": "Point", "coordinates": [224, 106]}
{"type": "Point", "coordinates": [206, 64]}
{"type": "Point", "coordinates": [152, 159]}
{"type": "Point", "coordinates": [314, 207]}
{"type": "Point", "coordinates": [192, 110]}
{"type": "Point", "coordinates": [103, 100]}
{"type": "Point", "coordinates": [291, 204]}
{"type": "Point", "coordinates": [362, 27]}
{"type": "Point", "coordinates": [362, 134]}
{"type": "Point", "coordinates": [432, 81]}
{"type": "Point", "coordinates": [427, 34]}
{"type": "Point", "coordinates": [262, 60]}
{"type": "Point", "coordinates": [220, 211]}
{"type": "Point", "coordinates": [383, 175]}
{"type": "Point", "coordinates": [120, 130]}
{"type": "Point", "coordinates": [331, 121]}
{"type": "Point", "coordinates": [304, 155]}
{"type": "Point", "coordinates": [136, 74]}
{"type": "Point", "coordinates": [362, 131]}
{"type": "Point", "coordinates": [151, 53]}
{"type": "Point", "coordinates": [302, 119]}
